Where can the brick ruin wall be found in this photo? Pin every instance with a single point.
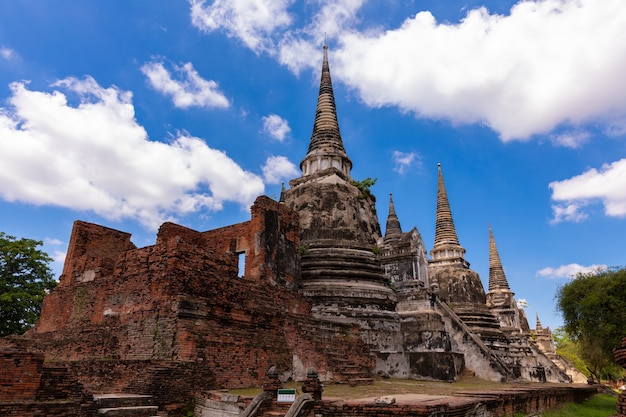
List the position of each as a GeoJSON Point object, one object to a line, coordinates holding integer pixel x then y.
{"type": "Point", "coordinates": [30, 387]}
{"type": "Point", "coordinates": [135, 319]}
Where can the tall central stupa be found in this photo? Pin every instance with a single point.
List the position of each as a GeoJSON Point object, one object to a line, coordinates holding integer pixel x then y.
{"type": "Point", "coordinates": [340, 232]}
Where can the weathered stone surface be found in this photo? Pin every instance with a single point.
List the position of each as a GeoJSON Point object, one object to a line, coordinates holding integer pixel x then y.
{"type": "Point", "coordinates": [340, 271]}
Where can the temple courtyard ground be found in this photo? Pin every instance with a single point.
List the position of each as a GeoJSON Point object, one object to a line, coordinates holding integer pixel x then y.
{"type": "Point", "coordinates": [398, 387]}
{"type": "Point", "coordinates": [468, 396]}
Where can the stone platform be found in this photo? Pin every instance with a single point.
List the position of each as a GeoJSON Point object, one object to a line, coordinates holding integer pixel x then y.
{"type": "Point", "coordinates": [491, 401]}
{"type": "Point", "coordinates": [467, 403]}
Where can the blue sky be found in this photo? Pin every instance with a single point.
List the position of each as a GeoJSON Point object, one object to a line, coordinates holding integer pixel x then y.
{"type": "Point", "coordinates": [132, 113]}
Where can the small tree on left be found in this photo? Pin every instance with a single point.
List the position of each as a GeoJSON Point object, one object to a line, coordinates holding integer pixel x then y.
{"type": "Point", "coordinates": [25, 279]}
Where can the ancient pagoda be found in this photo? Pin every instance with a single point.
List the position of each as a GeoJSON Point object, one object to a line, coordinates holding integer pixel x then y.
{"type": "Point", "coordinates": [339, 232]}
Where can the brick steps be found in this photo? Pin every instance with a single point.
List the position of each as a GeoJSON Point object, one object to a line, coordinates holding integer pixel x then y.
{"type": "Point", "coordinates": [138, 411]}
{"type": "Point", "coordinates": [273, 414]}
{"type": "Point", "coordinates": [276, 410]}
{"type": "Point", "coordinates": [125, 405]}
{"type": "Point", "coordinates": [350, 373]}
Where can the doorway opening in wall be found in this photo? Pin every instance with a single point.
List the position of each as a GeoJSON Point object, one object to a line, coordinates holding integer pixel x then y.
{"type": "Point", "coordinates": [241, 264]}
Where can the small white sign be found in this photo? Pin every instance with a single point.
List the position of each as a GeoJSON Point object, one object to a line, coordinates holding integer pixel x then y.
{"type": "Point", "coordinates": [286, 395]}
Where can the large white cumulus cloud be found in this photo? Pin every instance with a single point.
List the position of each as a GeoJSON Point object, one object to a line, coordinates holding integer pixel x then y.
{"type": "Point", "coordinates": [95, 156]}
{"type": "Point", "coordinates": [548, 63]}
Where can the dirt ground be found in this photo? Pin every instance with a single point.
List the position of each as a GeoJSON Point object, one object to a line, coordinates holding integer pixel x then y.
{"type": "Point", "coordinates": [394, 387]}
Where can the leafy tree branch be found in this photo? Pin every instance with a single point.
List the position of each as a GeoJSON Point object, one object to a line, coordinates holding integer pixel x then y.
{"type": "Point", "coordinates": [25, 278]}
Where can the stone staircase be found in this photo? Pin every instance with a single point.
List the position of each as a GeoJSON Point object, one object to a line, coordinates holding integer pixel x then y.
{"type": "Point", "coordinates": [345, 369]}
{"type": "Point", "coordinates": [275, 410]}
{"type": "Point", "coordinates": [125, 405]}
{"type": "Point", "coordinates": [349, 372]}
{"type": "Point", "coordinates": [271, 408]}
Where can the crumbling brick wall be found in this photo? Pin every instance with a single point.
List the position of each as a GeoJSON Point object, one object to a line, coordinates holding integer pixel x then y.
{"type": "Point", "coordinates": [92, 252]}
{"type": "Point", "coordinates": [28, 387]}
{"type": "Point", "coordinates": [270, 242]}
{"type": "Point", "coordinates": [128, 318]}
{"type": "Point", "coordinates": [21, 374]}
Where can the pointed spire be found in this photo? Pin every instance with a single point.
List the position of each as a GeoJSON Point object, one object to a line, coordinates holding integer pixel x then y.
{"type": "Point", "coordinates": [446, 245]}
{"type": "Point", "coordinates": [445, 233]}
{"type": "Point", "coordinates": [326, 126]}
{"type": "Point", "coordinates": [392, 228]}
{"type": "Point", "coordinates": [538, 326]}
{"type": "Point", "coordinates": [326, 146]}
{"type": "Point", "coordinates": [497, 279]}
{"type": "Point", "coordinates": [281, 199]}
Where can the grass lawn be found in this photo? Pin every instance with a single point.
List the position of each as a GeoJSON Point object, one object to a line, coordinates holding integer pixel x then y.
{"type": "Point", "coordinates": [601, 405]}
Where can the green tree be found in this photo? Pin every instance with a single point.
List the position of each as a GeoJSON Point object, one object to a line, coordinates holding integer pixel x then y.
{"type": "Point", "coordinates": [569, 349]}
{"type": "Point", "coordinates": [593, 306]}
{"type": "Point", "coordinates": [25, 278]}
{"type": "Point", "coordinates": [364, 186]}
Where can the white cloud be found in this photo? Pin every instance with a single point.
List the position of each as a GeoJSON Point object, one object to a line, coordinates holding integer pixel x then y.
{"type": "Point", "coordinates": [7, 53]}
{"type": "Point", "coordinates": [571, 212]}
{"type": "Point", "coordinates": [572, 139]}
{"type": "Point", "coordinates": [333, 18]}
{"type": "Point", "coordinates": [569, 270]}
{"type": "Point", "coordinates": [276, 127]}
{"type": "Point", "coordinates": [297, 53]}
{"type": "Point", "coordinates": [59, 257]}
{"type": "Point", "coordinates": [277, 168]}
{"type": "Point", "coordinates": [300, 48]}
{"type": "Point", "coordinates": [607, 185]}
{"type": "Point", "coordinates": [251, 21]}
{"type": "Point", "coordinates": [404, 160]}
{"type": "Point", "coordinates": [52, 241]}
{"type": "Point", "coordinates": [95, 156]}
{"type": "Point", "coordinates": [547, 64]}
{"type": "Point", "coordinates": [190, 90]}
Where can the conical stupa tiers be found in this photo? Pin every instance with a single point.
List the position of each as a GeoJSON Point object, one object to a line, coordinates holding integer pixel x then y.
{"type": "Point", "coordinates": [338, 223]}
{"type": "Point", "coordinates": [331, 207]}
{"type": "Point", "coordinates": [326, 146]}
{"type": "Point", "coordinates": [326, 127]}
{"type": "Point", "coordinates": [339, 232]}
{"type": "Point", "coordinates": [497, 279]}
{"type": "Point", "coordinates": [446, 248]}
{"type": "Point", "coordinates": [445, 233]}
{"type": "Point", "coordinates": [392, 228]}
{"type": "Point", "coordinates": [538, 326]}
